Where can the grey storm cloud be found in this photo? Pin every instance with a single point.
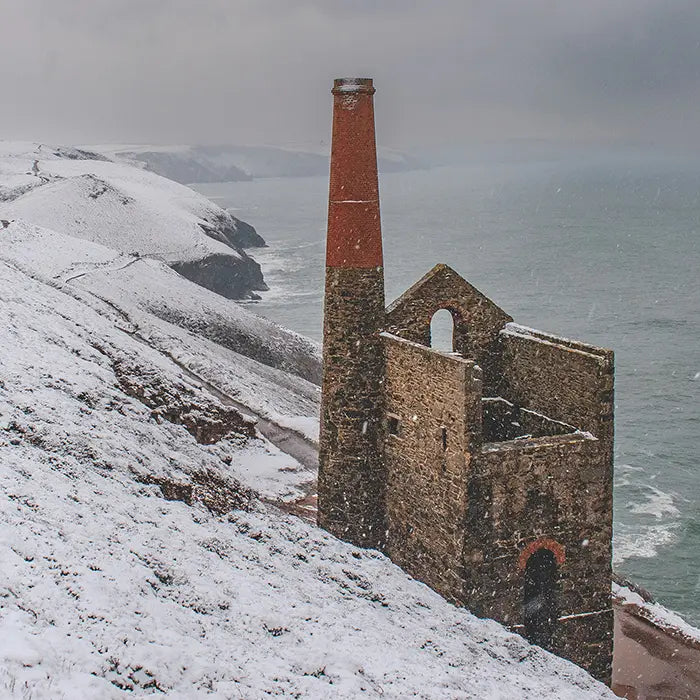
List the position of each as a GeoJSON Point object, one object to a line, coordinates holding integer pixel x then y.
{"type": "Point", "coordinates": [259, 71]}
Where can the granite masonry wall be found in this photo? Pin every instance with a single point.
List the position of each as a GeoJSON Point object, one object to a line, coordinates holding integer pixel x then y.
{"type": "Point", "coordinates": [526, 466]}
{"type": "Point", "coordinates": [461, 466]}
{"type": "Point", "coordinates": [563, 379]}
{"type": "Point", "coordinates": [549, 492]}
{"type": "Point", "coordinates": [351, 479]}
{"type": "Point", "coordinates": [503, 421]}
{"type": "Point", "coordinates": [571, 382]}
{"type": "Point", "coordinates": [433, 405]}
{"type": "Point", "coordinates": [486, 500]}
{"type": "Point", "coordinates": [477, 320]}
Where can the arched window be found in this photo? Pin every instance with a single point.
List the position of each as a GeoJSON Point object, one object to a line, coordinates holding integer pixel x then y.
{"type": "Point", "coordinates": [442, 331]}
{"type": "Point", "coordinates": [540, 606]}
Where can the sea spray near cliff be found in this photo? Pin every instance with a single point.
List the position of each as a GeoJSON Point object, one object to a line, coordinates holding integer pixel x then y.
{"type": "Point", "coordinates": [605, 248]}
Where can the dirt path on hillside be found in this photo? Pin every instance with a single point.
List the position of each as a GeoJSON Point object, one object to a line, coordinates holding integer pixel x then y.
{"type": "Point", "coordinates": [289, 441]}
{"type": "Point", "coordinates": [296, 445]}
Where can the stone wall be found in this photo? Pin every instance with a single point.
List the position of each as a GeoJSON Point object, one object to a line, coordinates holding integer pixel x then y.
{"type": "Point", "coordinates": [464, 515]}
{"type": "Point", "coordinates": [562, 379]}
{"type": "Point", "coordinates": [433, 403]}
{"type": "Point", "coordinates": [504, 421]}
{"type": "Point", "coordinates": [351, 479]}
{"type": "Point", "coordinates": [477, 320]}
{"type": "Point", "coordinates": [460, 490]}
{"type": "Point", "coordinates": [552, 492]}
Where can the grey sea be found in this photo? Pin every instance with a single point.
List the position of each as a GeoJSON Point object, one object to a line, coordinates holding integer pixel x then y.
{"type": "Point", "coordinates": [601, 248]}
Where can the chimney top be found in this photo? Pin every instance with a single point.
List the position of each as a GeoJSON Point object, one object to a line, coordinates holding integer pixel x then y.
{"type": "Point", "coordinates": [343, 86]}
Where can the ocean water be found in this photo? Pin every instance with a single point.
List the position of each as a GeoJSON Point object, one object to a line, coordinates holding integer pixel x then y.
{"type": "Point", "coordinates": [603, 249]}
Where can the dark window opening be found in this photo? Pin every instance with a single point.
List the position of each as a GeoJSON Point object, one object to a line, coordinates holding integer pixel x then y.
{"type": "Point", "coordinates": [504, 421]}
{"type": "Point", "coordinates": [444, 439]}
{"type": "Point", "coordinates": [540, 609]}
{"type": "Point", "coordinates": [393, 425]}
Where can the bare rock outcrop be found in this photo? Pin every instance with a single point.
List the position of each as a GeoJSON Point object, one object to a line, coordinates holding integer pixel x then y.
{"type": "Point", "coordinates": [208, 421]}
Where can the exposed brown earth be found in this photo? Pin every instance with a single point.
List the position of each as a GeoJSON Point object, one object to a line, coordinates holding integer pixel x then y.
{"type": "Point", "coordinates": [650, 663]}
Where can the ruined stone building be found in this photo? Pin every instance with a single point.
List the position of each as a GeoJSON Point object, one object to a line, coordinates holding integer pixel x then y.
{"type": "Point", "coordinates": [485, 472]}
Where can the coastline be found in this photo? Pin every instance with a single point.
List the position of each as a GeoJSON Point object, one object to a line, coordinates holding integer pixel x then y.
{"type": "Point", "coordinates": [653, 660]}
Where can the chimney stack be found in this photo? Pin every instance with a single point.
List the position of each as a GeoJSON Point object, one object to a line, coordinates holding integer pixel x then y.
{"type": "Point", "coordinates": [354, 229]}
{"type": "Point", "coordinates": [351, 481]}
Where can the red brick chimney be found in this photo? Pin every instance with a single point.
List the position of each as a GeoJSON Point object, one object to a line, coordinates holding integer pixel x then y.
{"type": "Point", "coordinates": [354, 229]}
{"type": "Point", "coordinates": [351, 481]}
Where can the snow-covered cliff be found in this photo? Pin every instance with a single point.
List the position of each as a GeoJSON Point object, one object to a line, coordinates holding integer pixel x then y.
{"type": "Point", "coordinates": [130, 210]}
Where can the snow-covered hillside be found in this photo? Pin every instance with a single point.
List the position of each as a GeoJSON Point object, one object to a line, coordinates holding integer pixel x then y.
{"type": "Point", "coordinates": [131, 211]}
{"type": "Point", "coordinates": [149, 292]}
{"type": "Point", "coordinates": [137, 557]}
{"type": "Point", "coordinates": [152, 434]}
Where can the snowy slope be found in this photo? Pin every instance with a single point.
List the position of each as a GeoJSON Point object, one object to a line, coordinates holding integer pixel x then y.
{"type": "Point", "coordinates": [135, 561]}
{"type": "Point", "coordinates": [19, 165]}
{"type": "Point", "coordinates": [128, 209]}
{"type": "Point", "coordinates": [139, 285]}
{"type": "Point", "coordinates": [183, 211]}
{"type": "Point", "coordinates": [90, 207]}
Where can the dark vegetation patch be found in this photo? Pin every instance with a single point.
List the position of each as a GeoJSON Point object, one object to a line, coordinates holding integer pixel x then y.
{"type": "Point", "coordinates": [208, 422]}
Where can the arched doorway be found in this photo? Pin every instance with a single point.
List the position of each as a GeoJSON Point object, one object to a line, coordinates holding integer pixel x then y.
{"type": "Point", "coordinates": [540, 605]}
{"type": "Point", "coordinates": [442, 331]}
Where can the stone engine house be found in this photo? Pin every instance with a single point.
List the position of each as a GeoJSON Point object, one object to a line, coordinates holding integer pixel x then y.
{"type": "Point", "coordinates": [485, 472]}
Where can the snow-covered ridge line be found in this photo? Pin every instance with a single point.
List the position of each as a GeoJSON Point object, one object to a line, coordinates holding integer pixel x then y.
{"type": "Point", "coordinates": [230, 163]}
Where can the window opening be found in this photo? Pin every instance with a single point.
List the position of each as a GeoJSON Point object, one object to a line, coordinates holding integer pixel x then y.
{"type": "Point", "coordinates": [442, 331]}
{"type": "Point", "coordinates": [540, 597]}
{"type": "Point", "coordinates": [444, 439]}
{"type": "Point", "coordinates": [393, 425]}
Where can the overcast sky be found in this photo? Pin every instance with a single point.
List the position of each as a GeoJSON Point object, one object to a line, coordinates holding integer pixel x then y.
{"type": "Point", "coordinates": [260, 71]}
